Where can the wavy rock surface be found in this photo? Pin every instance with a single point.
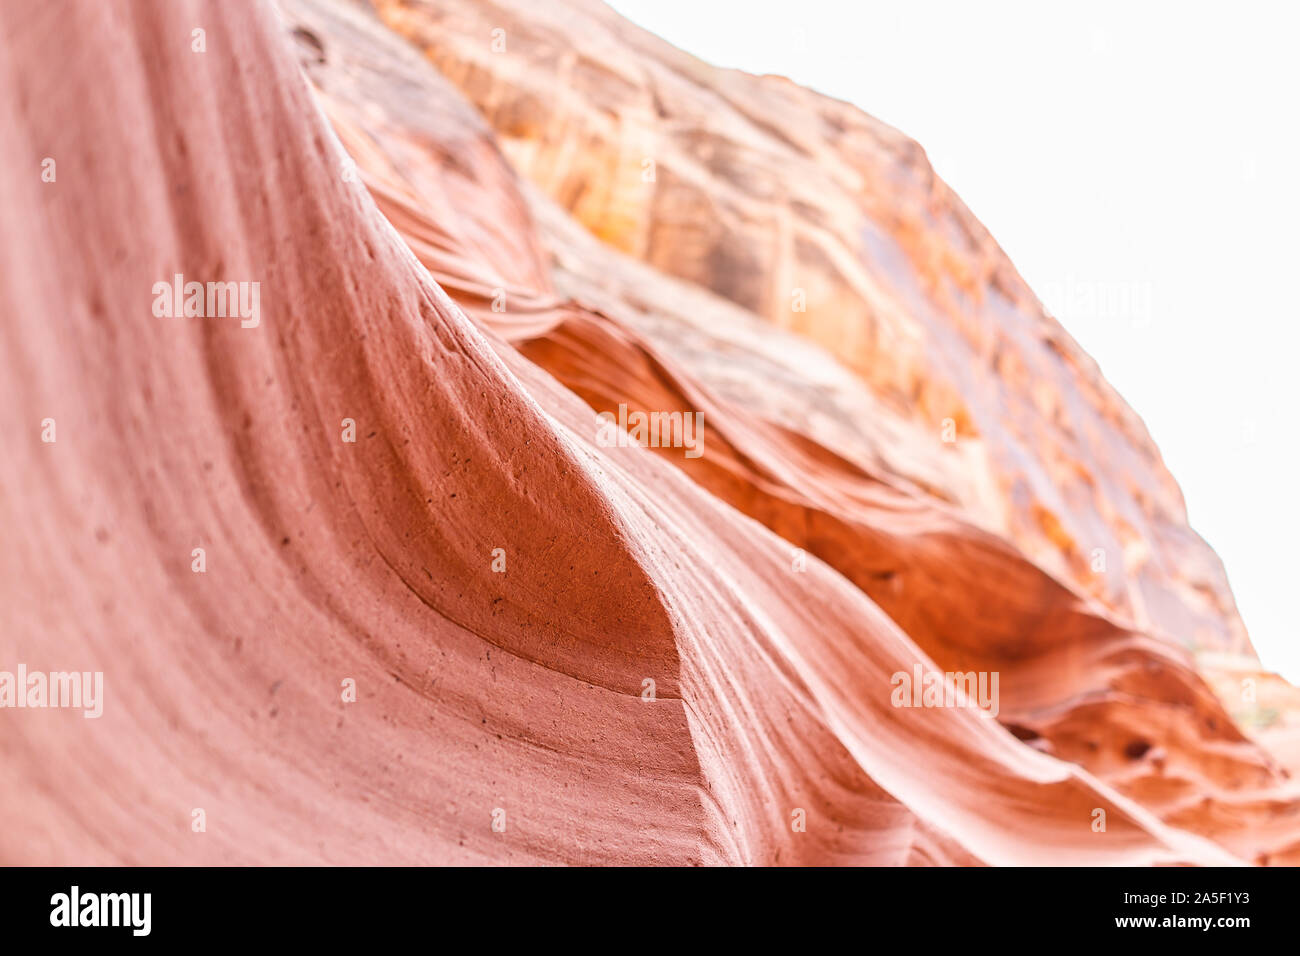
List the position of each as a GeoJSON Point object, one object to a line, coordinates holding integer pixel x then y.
{"type": "Point", "coordinates": [500, 585]}
{"type": "Point", "coordinates": [822, 220]}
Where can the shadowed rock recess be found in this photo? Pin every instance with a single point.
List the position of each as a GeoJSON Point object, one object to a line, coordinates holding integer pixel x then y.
{"type": "Point", "coordinates": [369, 581]}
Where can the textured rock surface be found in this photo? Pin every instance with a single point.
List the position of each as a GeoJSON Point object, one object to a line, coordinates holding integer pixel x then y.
{"type": "Point", "coordinates": [762, 188]}
{"type": "Point", "coordinates": [471, 328]}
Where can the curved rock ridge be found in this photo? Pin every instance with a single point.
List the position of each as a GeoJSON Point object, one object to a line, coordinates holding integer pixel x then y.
{"type": "Point", "coordinates": [857, 487]}
{"type": "Point", "coordinates": [820, 219]}
{"type": "Point", "coordinates": [367, 584]}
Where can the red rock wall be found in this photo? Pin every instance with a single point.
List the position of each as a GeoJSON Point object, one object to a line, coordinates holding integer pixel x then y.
{"type": "Point", "coordinates": [498, 584]}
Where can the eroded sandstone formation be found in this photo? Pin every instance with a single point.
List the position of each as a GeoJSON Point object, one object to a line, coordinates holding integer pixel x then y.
{"type": "Point", "coordinates": [565, 650]}
{"type": "Point", "coordinates": [812, 215]}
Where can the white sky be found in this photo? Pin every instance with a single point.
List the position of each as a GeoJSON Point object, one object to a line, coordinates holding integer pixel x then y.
{"type": "Point", "coordinates": [1140, 163]}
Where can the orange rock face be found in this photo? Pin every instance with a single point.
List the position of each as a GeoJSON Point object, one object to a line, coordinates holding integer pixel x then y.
{"type": "Point", "coordinates": [368, 577]}
{"type": "Point", "coordinates": [821, 220]}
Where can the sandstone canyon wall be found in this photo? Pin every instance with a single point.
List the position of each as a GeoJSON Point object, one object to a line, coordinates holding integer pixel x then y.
{"type": "Point", "coordinates": [565, 650]}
